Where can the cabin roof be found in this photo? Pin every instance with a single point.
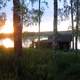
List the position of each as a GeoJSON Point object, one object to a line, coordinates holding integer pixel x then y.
{"type": "Point", "coordinates": [61, 37]}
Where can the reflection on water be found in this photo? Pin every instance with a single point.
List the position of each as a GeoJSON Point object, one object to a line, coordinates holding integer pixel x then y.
{"type": "Point", "coordinates": [7, 42]}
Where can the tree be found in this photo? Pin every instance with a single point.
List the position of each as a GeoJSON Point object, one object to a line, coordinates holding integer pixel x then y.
{"type": "Point", "coordinates": [17, 23]}
{"type": "Point", "coordinates": [55, 9]}
{"type": "Point", "coordinates": [36, 15]}
{"type": "Point", "coordinates": [74, 8]}
{"type": "Point", "coordinates": [55, 15]}
{"type": "Point", "coordinates": [39, 23]}
{"type": "Point", "coordinates": [77, 24]}
{"type": "Point", "coordinates": [72, 22]}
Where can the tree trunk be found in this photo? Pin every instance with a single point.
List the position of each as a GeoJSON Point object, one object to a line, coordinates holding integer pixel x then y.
{"type": "Point", "coordinates": [77, 23]}
{"type": "Point", "coordinates": [17, 23]}
{"type": "Point", "coordinates": [55, 15]}
{"type": "Point", "coordinates": [55, 22]}
{"type": "Point", "coordinates": [72, 22]}
{"type": "Point", "coordinates": [39, 25]}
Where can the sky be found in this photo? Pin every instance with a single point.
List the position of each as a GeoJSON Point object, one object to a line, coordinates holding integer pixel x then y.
{"type": "Point", "coordinates": [8, 27]}
{"type": "Point", "coordinates": [46, 21]}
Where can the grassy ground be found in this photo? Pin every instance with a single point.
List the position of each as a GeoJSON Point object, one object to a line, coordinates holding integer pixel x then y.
{"type": "Point", "coordinates": [39, 64]}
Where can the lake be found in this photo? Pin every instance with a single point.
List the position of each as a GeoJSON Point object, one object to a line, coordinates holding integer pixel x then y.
{"type": "Point", "coordinates": [7, 42]}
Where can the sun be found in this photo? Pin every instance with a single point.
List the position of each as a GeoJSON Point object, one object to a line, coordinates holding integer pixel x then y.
{"type": "Point", "coordinates": [7, 43]}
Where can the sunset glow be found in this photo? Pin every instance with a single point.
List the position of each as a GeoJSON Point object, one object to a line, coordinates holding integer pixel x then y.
{"type": "Point", "coordinates": [7, 28]}
{"type": "Point", "coordinates": [7, 43]}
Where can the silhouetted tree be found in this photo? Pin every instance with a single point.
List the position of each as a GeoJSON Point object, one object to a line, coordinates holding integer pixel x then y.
{"type": "Point", "coordinates": [17, 23]}
{"type": "Point", "coordinates": [55, 21]}
{"type": "Point", "coordinates": [77, 23]}
{"type": "Point", "coordinates": [37, 14]}
{"type": "Point", "coordinates": [72, 22]}
{"type": "Point", "coordinates": [55, 15]}
{"type": "Point", "coordinates": [39, 22]}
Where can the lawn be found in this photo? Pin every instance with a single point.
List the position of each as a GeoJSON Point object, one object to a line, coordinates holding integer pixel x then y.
{"type": "Point", "coordinates": [39, 64]}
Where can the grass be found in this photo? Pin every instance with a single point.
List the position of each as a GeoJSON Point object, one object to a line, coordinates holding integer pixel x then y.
{"type": "Point", "coordinates": [39, 64]}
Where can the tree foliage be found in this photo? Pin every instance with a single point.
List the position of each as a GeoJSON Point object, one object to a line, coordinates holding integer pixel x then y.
{"type": "Point", "coordinates": [30, 17]}
{"type": "Point", "coordinates": [3, 3]}
{"type": "Point", "coordinates": [65, 11]}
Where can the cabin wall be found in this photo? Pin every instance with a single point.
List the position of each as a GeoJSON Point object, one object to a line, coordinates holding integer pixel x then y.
{"type": "Point", "coordinates": [57, 45]}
